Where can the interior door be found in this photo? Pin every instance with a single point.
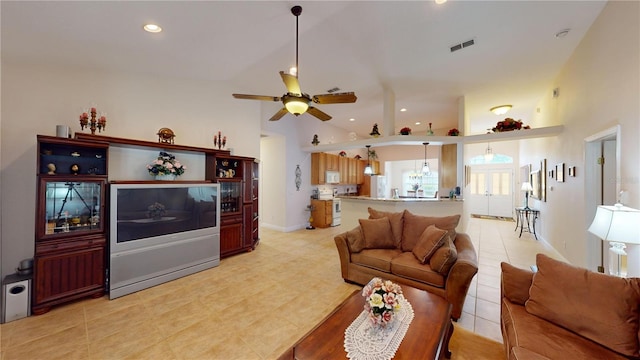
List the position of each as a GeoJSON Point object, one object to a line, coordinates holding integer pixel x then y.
{"type": "Point", "coordinates": [491, 192]}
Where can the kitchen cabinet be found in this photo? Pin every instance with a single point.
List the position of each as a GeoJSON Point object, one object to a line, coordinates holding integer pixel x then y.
{"type": "Point", "coordinates": [322, 213]}
{"type": "Point", "coordinates": [448, 166]}
{"type": "Point", "coordinates": [318, 168]}
{"type": "Point", "coordinates": [333, 162]}
{"type": "Point", "coordinates": [343, 166]}
{"type": "Point", "coordinates": [70, 238]}
{"type": "Point", "coordinates": [351, 170]}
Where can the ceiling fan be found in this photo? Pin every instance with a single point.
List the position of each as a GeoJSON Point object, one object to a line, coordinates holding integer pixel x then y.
{"type": "Point", "coordinates": [295, 101]}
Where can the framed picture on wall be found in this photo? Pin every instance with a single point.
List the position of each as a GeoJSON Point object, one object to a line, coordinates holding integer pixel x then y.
{"type": "Point", "coordinates": [560, 172]}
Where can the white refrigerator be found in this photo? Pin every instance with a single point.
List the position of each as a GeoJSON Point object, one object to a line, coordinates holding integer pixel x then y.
{"type": "Point", "coordinates": [379, 187]}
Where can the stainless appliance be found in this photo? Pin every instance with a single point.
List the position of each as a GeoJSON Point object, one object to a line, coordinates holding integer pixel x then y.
{"type": "Point", "coordinates": [337, 212]}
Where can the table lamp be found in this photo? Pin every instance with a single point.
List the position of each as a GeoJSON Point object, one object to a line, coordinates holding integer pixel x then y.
{"type": "Point", "coordinates": [618, 225]}
{"type": "Point", "coordinates": [526, 187]}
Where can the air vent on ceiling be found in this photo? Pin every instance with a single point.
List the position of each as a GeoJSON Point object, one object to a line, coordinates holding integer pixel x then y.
{"type": "Point", "coordinates": [333, 89]}
{"type": "Point", "coordinates": [462, 45]}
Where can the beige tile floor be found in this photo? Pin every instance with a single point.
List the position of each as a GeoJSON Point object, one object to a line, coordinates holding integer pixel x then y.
{"type": "Point", "coordinates": [253, 306]}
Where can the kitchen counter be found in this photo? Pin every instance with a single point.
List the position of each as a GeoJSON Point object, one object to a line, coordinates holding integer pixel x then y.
{"type": "Point", "coordinates": [355, 207]}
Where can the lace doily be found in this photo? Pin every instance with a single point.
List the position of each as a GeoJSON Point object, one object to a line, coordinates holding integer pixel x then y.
{"type": "Point", "coordinates": [364, 341]}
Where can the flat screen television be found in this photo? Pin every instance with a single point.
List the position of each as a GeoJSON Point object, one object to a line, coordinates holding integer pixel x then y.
{"type": "Point", "coordinates": [160, 232]}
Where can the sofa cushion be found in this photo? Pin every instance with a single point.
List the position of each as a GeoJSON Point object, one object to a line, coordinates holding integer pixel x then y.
{"type": "Point", "coordinates": [444, 258]}
{"type": "Point", "coordinates": [522, 330]}
{"type": "Point", "coordinates": [355, 239]}
{"type": "Point", "coordinates": [599, 307]}
{"type": "Point", "coordinates": [377, 233]}
{"type": "Point", "coordinates": [406, 265]}
{"type": "Point", "coordinates": [414, 226]}
{"type": "Point", "coordinates": [430, 240]}
{"type": "Point", "coordinates": [515, 283]}
{"type": "Point", "coordinates": [379, 259]}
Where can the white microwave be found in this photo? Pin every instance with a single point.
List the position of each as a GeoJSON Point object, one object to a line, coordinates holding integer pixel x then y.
{"type": "Point", "coordinates": [332, 177]}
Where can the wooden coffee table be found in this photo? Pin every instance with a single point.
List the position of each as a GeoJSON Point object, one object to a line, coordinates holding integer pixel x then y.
{"type": "Point", "coordinates": [427, 338]}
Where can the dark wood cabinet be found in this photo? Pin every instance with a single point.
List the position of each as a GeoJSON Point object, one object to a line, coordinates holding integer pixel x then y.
{"type": "Point", "coordinates": [238, 179]}
{"type": "Point", "coordinates": [70, 246]}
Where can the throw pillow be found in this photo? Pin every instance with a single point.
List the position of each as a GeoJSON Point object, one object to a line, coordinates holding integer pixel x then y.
{"type": "Point", "coordinates": [396, 220]}
{"type": "Point", "coordinates": [515, 283]}
{"type": "Point", "coordinates": [414, 226]}
{"type": "Point", "coordinates": [377, 233]}
{"type": "Point", "coordinates": [355, 239]}
{"type": "Point", "coordinates": [444, 258]}
{"type": "Point", "coordinates": [430, 240]}
{"type": "Point", "coordinates": [600, 307]}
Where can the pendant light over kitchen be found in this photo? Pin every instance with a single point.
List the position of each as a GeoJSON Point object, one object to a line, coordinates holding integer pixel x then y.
{"type": "Point", "coordinates": [425, 167]}
{"type": "Point", "coordinates": [368, 170]}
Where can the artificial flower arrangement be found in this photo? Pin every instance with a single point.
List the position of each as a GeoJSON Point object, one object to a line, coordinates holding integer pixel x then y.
{"type": "Point", "coordinates": [453, 132]}
{"type": "Point", "coordinates": [405, 131]}
{"type": "Point", "coordinates": [156, 210]}
{"type": "Point", "coordinates": [357, 157]}
{"type": "Point", "coordinates": [166, 164]}
{"type": "Point", "coordinates": [509, 124]}
{"type": "Point", "coordinates": [342, 153]}
{"type": "Point", "coordinates": [381, 300]}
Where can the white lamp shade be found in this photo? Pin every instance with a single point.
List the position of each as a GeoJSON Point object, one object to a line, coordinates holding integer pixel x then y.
{"type": "Point", "coordinates": [526, 186]}
{"type": "Point", "coordinates": [617, 223]}
{"type": "Point", "coordinates": [368, 170]}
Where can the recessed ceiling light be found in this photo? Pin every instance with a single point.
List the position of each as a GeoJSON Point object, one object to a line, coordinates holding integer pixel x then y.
{"type": "Point", "coordinates": [352, 119]}
{"type": "Point", "coordinates": [562, 33]}
{"type": "Point", "coordinates": [403, 110]}
{"type": "Point", "coordinates": [418, 122]}
{"type": "Point", "coordinates": [152, 28]}
{"type": "Point", "coordinates": [439, 2]}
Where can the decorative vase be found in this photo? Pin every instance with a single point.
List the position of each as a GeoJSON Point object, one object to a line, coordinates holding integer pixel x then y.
{"type": "Point", "coordinates": [169, 177]}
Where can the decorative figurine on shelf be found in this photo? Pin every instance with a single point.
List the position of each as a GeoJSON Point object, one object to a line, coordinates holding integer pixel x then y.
{"type": "Point", "coordinates": [405, 131]}
{"type": "Point", "coordinates": [219, 140]}
{"type": "Point", "coordinates": [95, 123]}
{"type": "Point", "coordinates": [315, 140]}
{"type": "Point", "coordinates": [166, 136]}
{"type": "Point", "coordinates": [374, 132]}
{"type": "Point", "coordinates": [75, 169]}
{"type": "Point", "coordinates": [52, 169]}
{"type": "Point", "coordinates": [342, 153]}
{"type": "Point", "coordinates": [429, 132]}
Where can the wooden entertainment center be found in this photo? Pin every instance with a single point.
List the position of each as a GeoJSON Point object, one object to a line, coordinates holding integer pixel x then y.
{"type": "Point", "coordinates": [71, 244]}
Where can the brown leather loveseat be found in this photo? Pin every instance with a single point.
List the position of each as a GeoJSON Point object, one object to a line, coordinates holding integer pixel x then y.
{"type": "Point", "coordinates": [420, 251]}
{"type": "Point", "coordinates": [566, 312]}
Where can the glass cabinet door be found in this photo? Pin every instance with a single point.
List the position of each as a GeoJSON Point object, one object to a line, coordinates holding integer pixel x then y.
{"type": "Point", "coordinates": [230, 199]}
{"type": "Point", "coordinates": [70, 207]}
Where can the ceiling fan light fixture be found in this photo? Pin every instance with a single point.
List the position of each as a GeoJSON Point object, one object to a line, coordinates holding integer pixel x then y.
{"type": "Point", "coordinates": [296, 106]}
{"type": "Point", "coordinates": [500, 109]}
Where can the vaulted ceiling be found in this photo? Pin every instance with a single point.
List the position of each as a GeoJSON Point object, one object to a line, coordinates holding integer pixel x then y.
{"type": "Point", "coordinates": [360, 46]}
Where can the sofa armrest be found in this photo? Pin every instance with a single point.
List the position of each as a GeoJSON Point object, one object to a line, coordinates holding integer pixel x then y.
{"type": "Point", "coordinates": [343, 252]}
{"type": "Point", "coordinates": [461, 274]}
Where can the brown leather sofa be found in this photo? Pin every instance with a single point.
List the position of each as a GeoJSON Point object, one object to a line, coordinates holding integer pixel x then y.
{"type": "Point", "coordinates": [406, 248]}
{"type": "Point", "coordinates": [565, 312]}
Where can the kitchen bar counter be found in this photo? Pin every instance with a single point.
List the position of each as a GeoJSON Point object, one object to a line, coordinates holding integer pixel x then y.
{"type": "Point", "coordinates": [355, 207]}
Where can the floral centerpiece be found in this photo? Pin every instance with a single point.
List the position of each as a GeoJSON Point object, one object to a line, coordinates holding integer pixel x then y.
{"type": "Point", "coordinates": [405, 131]}
{"type": "Point", "coordinates": [156, 211]}
{"type": "Point", "coordinates": [453, 132]}
{"type": "Point", "coordinates": [342, 153]}
{"type": "Point", "coordinates": [381, 300]}
{"type": "Point", "coordinates": [509, 124]}
{"type": "Point", "coordinates": [166, 164]}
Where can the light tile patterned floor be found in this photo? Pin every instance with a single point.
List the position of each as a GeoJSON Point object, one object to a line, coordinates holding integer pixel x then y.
{"type": "Point", "coordinates": [253, 306]}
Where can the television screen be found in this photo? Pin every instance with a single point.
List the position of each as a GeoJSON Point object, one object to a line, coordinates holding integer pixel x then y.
{"type": "Point", "coordinates": [149, 210]}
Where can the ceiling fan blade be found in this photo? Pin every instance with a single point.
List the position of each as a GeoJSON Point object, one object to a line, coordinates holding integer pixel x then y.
{"type": "Point", "coordinates": [347, 97]}
{"type": "Point", "coordinates": [291, 82]}
{"type": "Point", "coordinates": [318, 113]}
{"type": "Point", "coordinates": [256, 97]}
{"type": "Point", "coordinates": [279, 114]}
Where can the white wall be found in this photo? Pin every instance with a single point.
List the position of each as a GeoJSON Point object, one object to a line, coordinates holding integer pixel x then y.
{"type": "Point", "coordinates": [37, 98]}
{"type": "Point", "coordinates": [599, 88]}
